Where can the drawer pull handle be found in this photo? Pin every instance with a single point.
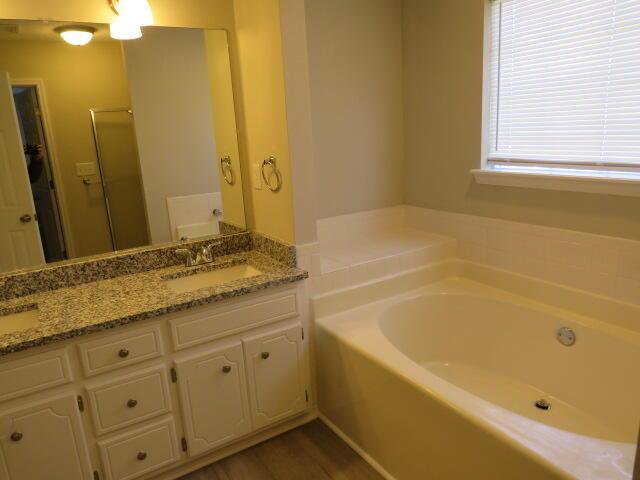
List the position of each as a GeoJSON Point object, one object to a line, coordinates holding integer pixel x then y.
{"type": "Point", "coordinates": [124, 353]}
{"type": "Point", "coordinates": [142, 456]}
{"type": "Point", "coordinates": [16, 436]}
{"type": "Point", "coordinates": [265, 355]}
{"type": "Point", "coordinates": [226, 369]}
{"type": "Point", "coordinates": [132, 403]}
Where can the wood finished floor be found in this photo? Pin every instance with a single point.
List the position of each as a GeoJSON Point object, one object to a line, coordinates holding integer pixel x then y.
{"type": "Point", "coordinates": [309, 452]}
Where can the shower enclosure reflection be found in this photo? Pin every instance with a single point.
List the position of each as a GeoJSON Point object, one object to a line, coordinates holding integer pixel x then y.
{"type": "Point", "coordinates": [119, 177]}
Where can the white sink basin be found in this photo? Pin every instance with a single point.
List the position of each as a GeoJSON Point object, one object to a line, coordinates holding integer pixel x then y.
{"type": "Point", "coordinates": [212, 278]}
{"type": "Point", "coordinates": [16, 322]}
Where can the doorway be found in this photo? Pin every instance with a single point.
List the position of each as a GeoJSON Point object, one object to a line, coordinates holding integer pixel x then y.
{"type": "Point", "coordinates": [43, 185]}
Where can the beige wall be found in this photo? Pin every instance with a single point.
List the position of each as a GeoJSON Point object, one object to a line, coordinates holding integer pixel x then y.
{"type": "Point", "coordinates": [263, 120]}
{"type": "Point", "coordinates": [224, 123]}
{"type": "Point", "coordinates": [443, 47]}
{"type": "Point", "coordinates": [173, 118]}
{"type": "Point", "coordinates": [295, 55]}
{"type": "Point", "coordinates": [355, 62]}
{"type": "Point", "coordinates": [70, 92]}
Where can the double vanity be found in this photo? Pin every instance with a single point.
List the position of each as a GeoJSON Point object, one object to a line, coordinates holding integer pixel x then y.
{"type": "Point", "coordinates": [152, 373]}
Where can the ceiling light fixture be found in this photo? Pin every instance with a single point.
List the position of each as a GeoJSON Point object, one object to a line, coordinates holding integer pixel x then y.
{"type": "Point", "coordinates": [76, 34]}
{"type": "Point", "coordinates": [132, 14]}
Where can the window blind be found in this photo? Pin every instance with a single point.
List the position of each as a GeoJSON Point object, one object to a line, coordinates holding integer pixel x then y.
{"type": "Point", "coordinates": [565, 82]}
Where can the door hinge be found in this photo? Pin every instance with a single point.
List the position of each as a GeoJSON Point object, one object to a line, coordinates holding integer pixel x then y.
{"type": "Point", "coordinates": [52, 185]}
{"type": "Point", "coordinates": [306, 396]}
{"type": "Point", "coordinates": [174, 375]}
{"type": "Point", "coordinates": [184, 444]}
{"type": "Point", "coordinates": [303, 333]}
{"type": "Point", "coordinates": [96, 475]}
{"type": "Point", "coordinates": [80, 403]}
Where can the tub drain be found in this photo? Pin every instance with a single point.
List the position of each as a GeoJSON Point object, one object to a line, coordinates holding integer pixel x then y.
{"type": "Point", "coordinates": [542, 404]}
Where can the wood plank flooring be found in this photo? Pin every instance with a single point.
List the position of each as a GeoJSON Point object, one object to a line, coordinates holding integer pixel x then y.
{"type": "Point", "coordinates": [311, 451]}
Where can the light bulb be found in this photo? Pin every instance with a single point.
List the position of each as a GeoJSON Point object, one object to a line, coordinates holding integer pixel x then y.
{"type": "Point", "coordinates": [123, 29]}
{"type": "Point", "coordinates": [76, 34]}
{"type": "Point", "coordinates": [136, 11]}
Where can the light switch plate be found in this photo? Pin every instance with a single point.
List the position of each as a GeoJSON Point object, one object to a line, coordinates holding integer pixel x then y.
{"type": "Point", "coordinates": [85, 169]}
{"type": "Point", "coordinates": [255, 175]}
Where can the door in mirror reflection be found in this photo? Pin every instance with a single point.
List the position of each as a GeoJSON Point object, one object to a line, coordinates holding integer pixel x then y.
{"type": "Point", "coordinates": [20, 244]}
{"type": "Point", "coordinates": [119, 176]}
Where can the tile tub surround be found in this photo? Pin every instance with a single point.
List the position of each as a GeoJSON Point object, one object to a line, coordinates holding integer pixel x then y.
{"type": "Point", "coordinates": [607, 266]}
{"type": "Point", "coordinates": [102, 267]}
{"type": "Point", "coordinates": [90, 307]}
{"type": "Point", "coordinates": [358, 248]}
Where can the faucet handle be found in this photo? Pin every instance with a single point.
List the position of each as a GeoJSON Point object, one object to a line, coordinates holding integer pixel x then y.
{"type": "Point", "coordinates": [186, 254]}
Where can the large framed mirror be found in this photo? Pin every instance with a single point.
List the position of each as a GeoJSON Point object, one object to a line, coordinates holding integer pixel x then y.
{"type": "Point", "coordinates": [114, 145]}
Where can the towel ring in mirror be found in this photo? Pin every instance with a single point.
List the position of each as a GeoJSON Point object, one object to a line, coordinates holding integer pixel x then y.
{"type": "Point", "coordinates": [271, 163]}
{"type": "Point", "coordinates": [227, 170]}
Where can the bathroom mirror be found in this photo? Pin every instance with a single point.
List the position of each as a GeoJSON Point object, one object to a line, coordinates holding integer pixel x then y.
{"type": "Point", "coordinates": [113, 144]}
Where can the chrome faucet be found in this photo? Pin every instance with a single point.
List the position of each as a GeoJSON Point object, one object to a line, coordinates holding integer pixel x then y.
{"type": "Point", "coordinates": [186, 254]}
{"type": "Point", "coordinates": [204, 255]}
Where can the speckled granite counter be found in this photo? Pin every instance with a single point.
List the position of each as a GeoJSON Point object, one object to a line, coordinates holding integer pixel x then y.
{"type": "Point", "coordinates": [90, 307]}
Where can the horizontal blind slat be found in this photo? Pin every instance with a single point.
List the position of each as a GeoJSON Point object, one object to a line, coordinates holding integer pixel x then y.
{"type": "Point", "coordinates": [565, 80]}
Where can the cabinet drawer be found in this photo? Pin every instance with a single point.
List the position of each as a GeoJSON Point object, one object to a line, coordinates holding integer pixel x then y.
{"type": "Point", "coordinates": [129, 399]}
{"type": "Point", "coordinates": [117, 351]}
{"type": "Point", "coordinates": [34, 373]}
{"type": "Point", "coordinates": [204, 326]}
{"type": "Point", "coordinates": [139, 452]}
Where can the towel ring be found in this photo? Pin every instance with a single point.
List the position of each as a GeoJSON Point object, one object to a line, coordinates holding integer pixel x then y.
{"type": "Point", "coordinates": [227, 170]}
{"type": "Point", "coordinates": [271, 162]}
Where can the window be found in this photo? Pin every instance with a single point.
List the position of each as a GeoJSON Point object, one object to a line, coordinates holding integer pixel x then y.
{"type": "Point", "coordinates": [564, 88]}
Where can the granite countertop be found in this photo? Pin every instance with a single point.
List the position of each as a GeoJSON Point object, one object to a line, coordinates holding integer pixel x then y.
{"type": "Point", "coordinates": [70, 312]}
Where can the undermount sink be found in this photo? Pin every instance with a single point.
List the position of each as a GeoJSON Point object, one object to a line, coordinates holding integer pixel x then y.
{"type": "Point", "coordinates": [16, 322]}
{"type": "Point", "coordinates": [212, 278]}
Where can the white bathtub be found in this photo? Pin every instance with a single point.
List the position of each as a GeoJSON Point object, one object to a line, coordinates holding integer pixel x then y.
{"type": "Point", "coordinates": [434, 374]}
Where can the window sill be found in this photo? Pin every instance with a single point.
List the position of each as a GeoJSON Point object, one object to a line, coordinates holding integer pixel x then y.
{"type": "Point", "coordinates": [606, 183]}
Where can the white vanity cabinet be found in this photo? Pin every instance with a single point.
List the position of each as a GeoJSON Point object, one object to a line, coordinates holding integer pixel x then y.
{"type": "Point", "coordinates": [151, 399]}
{"type": "Point", "coordinates": [213, 394]}
{"type": "Point", "coordinates": [44, 441]}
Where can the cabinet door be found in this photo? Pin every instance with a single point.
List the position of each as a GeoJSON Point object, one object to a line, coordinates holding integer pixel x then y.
{"type": "Point", "coordinates": [44, 441]}
{"type": "Point", "coordinates": [213, 394]}
{"type": "Point", "coordinates": [275, 367]}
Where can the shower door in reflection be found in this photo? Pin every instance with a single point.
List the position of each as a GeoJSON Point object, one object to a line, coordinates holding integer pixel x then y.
{"type": "Point", "coordinates": [119, 165]}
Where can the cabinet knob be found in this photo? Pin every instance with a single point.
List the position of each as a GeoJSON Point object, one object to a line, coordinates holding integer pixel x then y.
{"type": "Point", "coordinates": [123, 353]}
{"type": "Point", "coordinates": [265, 355]}
{"type": "Point", "coordinates": [141, 456]}
{"type": "Point", "coordinates": [226, 369]}
{"type": "Point", "coordinates": [132, 403]}
{"type": "Point", "coordinates": [16, 436]}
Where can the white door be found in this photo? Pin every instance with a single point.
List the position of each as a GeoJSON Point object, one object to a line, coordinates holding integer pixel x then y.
{"type": "Point", "coordinates": [19, 236]}
{"type": "Point", "coordinates": [213, 394]}
{"type": "Point", "coordinates": [276, 372]}
{"type": "Point", "coordinates": [44, 441]}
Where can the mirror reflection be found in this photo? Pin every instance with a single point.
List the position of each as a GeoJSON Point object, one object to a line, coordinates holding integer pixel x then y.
{"type": "Point", "coordinates": [113, 145]}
